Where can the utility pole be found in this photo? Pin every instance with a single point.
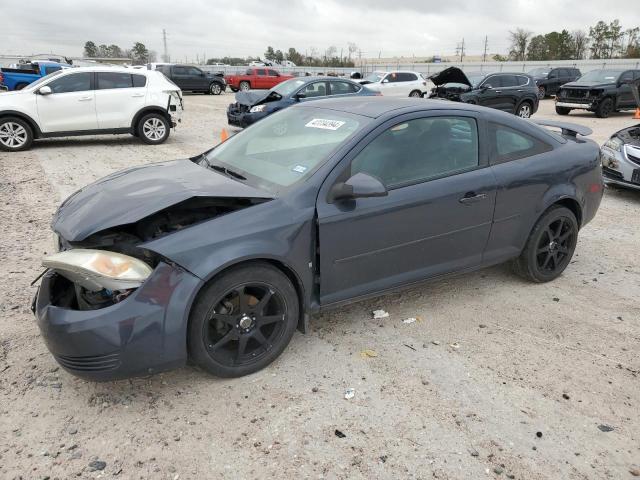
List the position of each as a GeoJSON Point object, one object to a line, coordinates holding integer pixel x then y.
{"type": "Point", "coordinates": [484, 55]}
{"type": "Point", "coordinates": [165, 56]}
{"type": "Point", "coordinates": [462, 51]}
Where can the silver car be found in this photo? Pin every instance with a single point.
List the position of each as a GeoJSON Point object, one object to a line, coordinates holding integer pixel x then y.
{"type": "Point", "coordinates": [621, 158]}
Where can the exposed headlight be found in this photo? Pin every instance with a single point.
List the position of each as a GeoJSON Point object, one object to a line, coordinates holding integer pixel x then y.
{"type": "Point", "coordinates": [258, 108]}
{"type": "Point", "coordinates": [614, 143]}
{"type": "Point", "coordinates": [98, 269]}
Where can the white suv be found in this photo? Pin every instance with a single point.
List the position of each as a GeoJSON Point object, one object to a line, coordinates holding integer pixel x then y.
{"type": "Point", "coordinates": [90, 101]}
{"type": "Point", "coordinates": [396, 83]}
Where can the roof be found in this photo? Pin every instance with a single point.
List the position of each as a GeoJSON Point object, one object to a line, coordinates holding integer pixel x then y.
{"type": "Point", "coordinates": [375, 107]}
{"type": "Point", "coordinates": [109, 68]}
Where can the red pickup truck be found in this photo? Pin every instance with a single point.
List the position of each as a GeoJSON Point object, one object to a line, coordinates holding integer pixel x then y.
{"type": "Point", "coordinates": [256, 78]}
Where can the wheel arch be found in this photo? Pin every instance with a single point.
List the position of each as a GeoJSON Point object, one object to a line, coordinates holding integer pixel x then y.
{"type": "Point", "coordinates": [146, 110]}
{"type": "Point", "coordinates": [23, 116]}
{"type": "Point", "coordinates": [278, 263]}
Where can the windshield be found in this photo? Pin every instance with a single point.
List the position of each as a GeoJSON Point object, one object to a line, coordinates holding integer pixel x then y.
{"type": "Point", "coordinates": [539, 72]}
{"type": "Point", "coordinates": [476, 79]}
{"type": "Point", "coordinates": [374, 77]}
{"type": "Point", "coordinates": [44, 79]}
{"type": "Point", "coordinates": [287, 147]}
{"type": "Point", "coordinates": [285, 89]}
{"type": "Point", "coordinates": [602, 76]}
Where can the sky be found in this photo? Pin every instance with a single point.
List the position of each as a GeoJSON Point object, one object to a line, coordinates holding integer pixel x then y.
{"type": "Point", "coordinates": [385, 28]}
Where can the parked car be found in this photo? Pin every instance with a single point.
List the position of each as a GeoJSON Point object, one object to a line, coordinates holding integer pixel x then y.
{"type": "Point", "coordinates": [259, 63]}
{"type": "Point", "coordinates": [621, 158]}
{"type": "Point", "coordinates": [90, 101]}
{"type": "Point", "coordinates": [224, 255]}
{"type": "Point", "coordinates": [511, 92]}
{"type": "Point", "coordinates": [252, 106]}
{"type": "Point", "coordinates": [24, 74]}
{"type": "Point", "coordinates": [396, 83]}
{"type": "Point", "coordinates": [549, 80]}
{"type": "Point", "coordinates": [599, 91]}
{"type": "Point", "coordinates": [193, 79]}
{"type": "Point", "coordinates": [256, 78]}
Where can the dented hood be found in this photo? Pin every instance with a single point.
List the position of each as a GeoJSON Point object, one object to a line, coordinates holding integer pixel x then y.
{"type": "Point", "coordinates": [252, 98]}
{"type": "Point", "coordinates": [133, 194]}
{"type": "Point", "coordinates": [450, 75]}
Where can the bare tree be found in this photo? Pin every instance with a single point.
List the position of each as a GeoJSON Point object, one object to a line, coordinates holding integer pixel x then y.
{"type": "Point", "coordinates": [580, 42]}
{"type": "Point", "coordinates": [519, 40]}
{"type": "Point", "coordinates": [353, 48]}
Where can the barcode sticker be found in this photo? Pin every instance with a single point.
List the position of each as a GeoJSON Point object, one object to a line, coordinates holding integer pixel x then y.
{"type": "Point", "coordinates": [325, 124]}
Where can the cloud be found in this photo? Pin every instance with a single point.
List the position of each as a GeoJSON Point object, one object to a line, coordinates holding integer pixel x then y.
{"type": "Point", "coordinates": [385, 27]}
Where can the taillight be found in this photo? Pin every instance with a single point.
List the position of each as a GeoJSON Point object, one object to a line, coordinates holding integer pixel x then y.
{"type": "Point", "coordinates": [1, 77]}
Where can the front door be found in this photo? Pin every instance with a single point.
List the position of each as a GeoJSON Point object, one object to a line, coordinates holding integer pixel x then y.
{"type": "Point", "coordinates": [71, 106]}
{"type": "Point", "coordinates": [435, 219]}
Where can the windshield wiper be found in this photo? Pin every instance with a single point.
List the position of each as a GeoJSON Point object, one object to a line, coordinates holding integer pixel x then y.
{"type": "Point", "coordinates": [228, 172]}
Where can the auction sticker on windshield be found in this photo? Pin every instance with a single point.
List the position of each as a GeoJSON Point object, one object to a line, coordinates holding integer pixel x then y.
{"type": "Point", "coordinates": [325, 124]}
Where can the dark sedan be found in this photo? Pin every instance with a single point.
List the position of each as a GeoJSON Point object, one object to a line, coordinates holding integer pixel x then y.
{"type": "Point", "coordinates": [515, 93]}
{"type": "Point", "coordinates": [251, 106]}
{"type": "Point", "coordinates": [219, 258]}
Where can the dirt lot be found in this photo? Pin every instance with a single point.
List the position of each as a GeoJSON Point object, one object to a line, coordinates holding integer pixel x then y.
{"type": "Point", "coordinates": [460, 394]}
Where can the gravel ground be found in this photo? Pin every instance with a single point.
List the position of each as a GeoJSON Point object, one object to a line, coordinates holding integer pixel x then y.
{"type": "Point", "coordinates": [498, 378]}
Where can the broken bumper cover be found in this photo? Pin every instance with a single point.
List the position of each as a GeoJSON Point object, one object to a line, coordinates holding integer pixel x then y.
{"type": "Point", "coordinates": [585, 106]}
{"type": "Point", "coordinates": [143, 334]}
{"type": "Point", "coordinates": [244, 119]}
{"type": "Point", "coordinates": [619, 169]}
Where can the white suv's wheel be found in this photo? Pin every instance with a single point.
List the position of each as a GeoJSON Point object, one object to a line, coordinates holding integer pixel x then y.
{"type": "Point", "coordinates": [153, 128]}
{"type": "Point", "coordinates": [15, 134]}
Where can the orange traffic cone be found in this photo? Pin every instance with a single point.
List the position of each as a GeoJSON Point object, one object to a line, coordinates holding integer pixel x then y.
{"type": "Point", "coordinates": [224, 136]}
{"type": "Point", "coordinates": [636, 116]}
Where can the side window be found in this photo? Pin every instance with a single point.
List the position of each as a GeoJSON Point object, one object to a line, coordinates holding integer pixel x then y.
{"type": "Point", "coordinates": [495, 81]}
{"type": "Point", "coordinates": [273, 73]}
{"type": "Point", "coordinates": [563, 73]}
{"type": "Point", "coordinates": [636, 74]}
{"type": "Point", "coordinates": [261, 72]}
{"type": "Point", "coordinates": [249, 72]}
{"type": "Point", "coordinates": [342, 88]}
{"type": "Point", "coordinates": [407, 77]}
{"type": "Point", "coordinates": [53, 69]}
{"type": "Point", "coordinates": [165, 69]}
{"type": "Point", "coordinates": [512, 144]}
{"type": "Point", "coordinates": [139, 80]}
{"type": "Point", "coordinates": [109, 80]}
{"type": "Point", "coordinates": [76, 82]}
{"type": "Point", "coordinates": [419, 150]}
{"type": "Point", "coordinates": [317, 89]}
{"type": "Point", "coordinates": [179, 71]}
{"type": "Point", "coordinates": [392, 78]}
{"type": "Point", "coordinates": [195, 71]}
{"type": "Point", "coordinates": [508, 80]}
{"type": "Point", "coordinates": [626, 76]}
{"type": "Point", "coordinates": [522, 80]}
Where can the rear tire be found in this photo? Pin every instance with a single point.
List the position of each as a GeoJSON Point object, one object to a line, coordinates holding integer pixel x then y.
{"type": "Point", "coordinates": [563, 110]}
{"type": "Point", "coordinates": [549, 247]}
{"type": "Point", "coordinates": [153, 129]}
{"type": "Point", "coordinates": [604, 108]}
{"type": "Point", "coordinates": [416, 94]}
{"type": "Point", "coordinates": [242, 320]}
{"type": "Point", "coordinates": [245, 86]}
{"type": "Point", "coordinates": [15, 134]}
{"type": "Point", "coordinates": [525, 109]}
{"type": "Point", "coordinates": [542, 93]}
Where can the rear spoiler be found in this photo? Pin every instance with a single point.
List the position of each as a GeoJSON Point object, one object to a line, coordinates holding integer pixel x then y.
{"type": "Point", "coordinates": [570, 129]}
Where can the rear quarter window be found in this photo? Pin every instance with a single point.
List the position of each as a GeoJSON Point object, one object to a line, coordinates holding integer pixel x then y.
{"type": "Point", "coordinates": [510, 144]}
{"type": "Point", "coordinates": [139, 81]}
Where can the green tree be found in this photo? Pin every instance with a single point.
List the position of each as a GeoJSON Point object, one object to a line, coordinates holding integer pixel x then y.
{"type": "Point", "coordinates": [279, 56]}
{"type": "Point", "coordinates": [614, 38]}
{"type": "Point", "coordinates": [139, 53]}
{"type": "Point", "coordinates": [103, 51]}
{"type": "Point", "coordinates": [270, 54]}
{"type": "Point", "coordinates": [90, 49]}
{"type": "Point", "coordinates": [538, 48]}
{"type": "Point", "coordinates": [631, 48]}
{"type": "Point", "coordinates": [295, 57]}
{"type": "Point", "coordinates": [598, 36]}
{"type": "Point", "coordinates": [114, 51]}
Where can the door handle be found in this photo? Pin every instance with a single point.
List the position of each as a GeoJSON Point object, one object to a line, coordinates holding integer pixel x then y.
{"type": "Point", "coordinates": [85, 99]}
{"type": "Point", "coordinates": [472, 197]}
{"type": "Point", "coordinates": [498, 91]}
{"type": "Point", "coordinates": [138, 95]}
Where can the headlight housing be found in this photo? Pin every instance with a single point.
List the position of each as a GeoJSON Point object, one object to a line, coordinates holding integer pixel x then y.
{"type": "Point", "coordinates": [614, 143]}
{"type": "Point", "coordinates": [99, 269]}
{"type": "Point", "coordinates": [258, 108]}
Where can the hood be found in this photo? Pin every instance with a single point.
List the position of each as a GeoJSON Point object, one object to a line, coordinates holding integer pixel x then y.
{"type": "Point", "coordinates": [587, 85]}
{"type": "Point", "coordinates": [450, 75]}
{"type": "Point", "coordinates": [254, 97]}
{"type": "Point", "coordinates": [130, 195]}
{"type": "Point", "coordinates": [630, 136]}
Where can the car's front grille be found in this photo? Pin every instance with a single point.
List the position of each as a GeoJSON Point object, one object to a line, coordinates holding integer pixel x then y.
{"type": "Point", "coordinates": [100, 363]}
{"type": "Point", "coordinates": [574, 94]}
{"type": "Point", "coordinates": [608, 172]}
{"type": "Point", "coordinates": [633, 158]}
{"type": "Point", "coordinates": [635, 176]}
{"type": "Point", "coordinates": [236, 108]}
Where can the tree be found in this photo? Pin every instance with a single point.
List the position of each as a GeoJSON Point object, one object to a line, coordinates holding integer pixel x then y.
{"type": "Point", "coordinates": [631, 47]}
{"type": "Point", "coordinates": [90, 50]}
{"type": "Point", "coordinates": [103, 51]}
{"type": "Point", "coordinates": [500, 58]}
{"type": "Point", "coordinates": [279, 56]}
{"type": "Point", "coordinates": [270, 54]}
{"type": "Point", "coordinates": [139, 53]}
{"type": "Point", "coordinates": [598, 36]}
{"type": "Point", "coordinates": [295, 57]}
{"type": "Point", "coordinates": [614, 37]}
{"type": "Point", "coordinates": [353, 48]}
{"type": "Point", "coordinates": [114, 51]}
{"type": "Point", "coordinates": [579, 44]}
{"type": "Point", "coordinates": [519, 40]}
{"type": "Point", "coordinates": [538, 48]}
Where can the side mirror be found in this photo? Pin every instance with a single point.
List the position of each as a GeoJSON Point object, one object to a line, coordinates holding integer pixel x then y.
{"type": "Point", "coordinates": [485, 87]}
{"type": "Point", "coordinates": [299, 95]}
{"type": "Point", "coordinates": [361, 185]}
{"type": "Point", "coordinates": [46, 90]}
{"type": "Point", "coordinates": [386, 80]}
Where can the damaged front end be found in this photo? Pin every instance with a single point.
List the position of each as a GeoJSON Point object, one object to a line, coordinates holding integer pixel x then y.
{"type": "Point", "coordinates": [450, 83]}
{"type": "Point", "coordinates": [250, 107]}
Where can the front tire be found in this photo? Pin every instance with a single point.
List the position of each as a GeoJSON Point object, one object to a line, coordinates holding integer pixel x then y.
{"type": "Point", "coordinates": [604, 108]}
{"type": "Point", "coordinates": [549, 247]}
{"type": "Point", "coordinates": [416, 94]}
{"type": "Point", "coordinates": [245, 86]}
{"type": "Point", "coordinates": [215, 89]}
{"type": "Point", "coordinates": [243, 320]}
{"type": "Point", "coordinates": [153, 129]}
{"type": "Point", "coordinates": [563, 110]}
{"type": "Point", "coordinates": [15, 134]}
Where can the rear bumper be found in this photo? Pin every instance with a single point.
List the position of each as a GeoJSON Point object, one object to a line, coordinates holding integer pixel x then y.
{"type": "Point", "coordinates": [143, 334]}
{"type": "Point", "coordinates": [3, 88]}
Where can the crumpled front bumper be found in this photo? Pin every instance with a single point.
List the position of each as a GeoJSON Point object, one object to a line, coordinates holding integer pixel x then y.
{"type": "Point", "coordinates": [618, 169]}
{"type": "Point", "coordinates": [243, 119]}
{"type": "Point", "coordinates": [143, 334]}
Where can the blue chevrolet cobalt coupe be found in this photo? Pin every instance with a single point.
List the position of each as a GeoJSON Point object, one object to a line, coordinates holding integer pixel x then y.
{"type": "Point", "coordinates": [219, 258]}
